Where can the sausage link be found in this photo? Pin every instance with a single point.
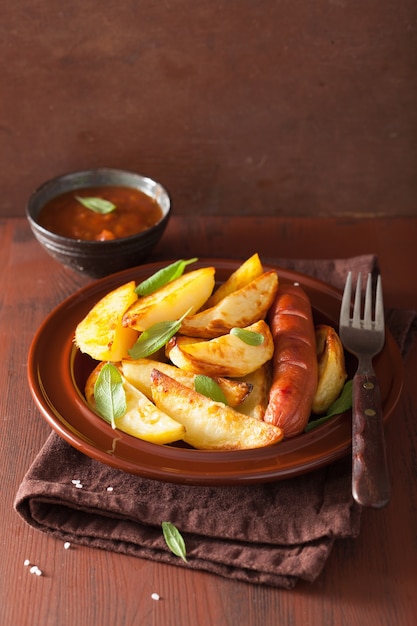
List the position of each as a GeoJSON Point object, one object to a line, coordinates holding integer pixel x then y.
{"type": "Point", "coordinates": [295, 371]}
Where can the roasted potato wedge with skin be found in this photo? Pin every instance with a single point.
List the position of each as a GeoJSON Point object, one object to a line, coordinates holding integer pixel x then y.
{"type": "Point", "coordinates": [240, 308]}
{"type": "Point", "coordinates": [101, 333]}
{"type": "Point", "coordinates": [245, 273]}
{"type": "Point", "coordinates": [210, 425]}
{"type": "Point", "coordinates": [172, 301]}
{"type": "Point", "coordinates": [331, 368]}
{"type": "Point", "coordinates": [257, 401]}
{"type": "Point", "coordinates": [142, 419]}
{"type": "Point", "coordinates": [138, 373]}
{"type": "Point", "coordinates": [224, 356]}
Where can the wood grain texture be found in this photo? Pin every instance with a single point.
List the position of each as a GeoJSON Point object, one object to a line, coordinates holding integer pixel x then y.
{"type": "Point", "coordinates": [368, 580]}
{"type": "Point", "coordinates": [238, 107]}
{"type": "Point", "coordinates": [393, 240]}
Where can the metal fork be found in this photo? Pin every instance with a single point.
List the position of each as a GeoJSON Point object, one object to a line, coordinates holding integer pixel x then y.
{"type": "Point", "coordinates": [364, 337]}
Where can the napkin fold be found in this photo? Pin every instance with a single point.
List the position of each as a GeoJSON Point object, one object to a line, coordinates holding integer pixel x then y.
{"type": "Point", "coordinates": [273, 533]}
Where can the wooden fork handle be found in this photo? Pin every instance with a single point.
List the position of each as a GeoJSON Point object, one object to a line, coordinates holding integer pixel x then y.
{"type": "Point", "coordinates": [370, 479]}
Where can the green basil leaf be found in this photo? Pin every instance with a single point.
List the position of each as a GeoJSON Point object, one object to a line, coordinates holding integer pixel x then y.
{"type": "Point", "coordinates": [340, 405]}
{"type": "Point", "coordinates": [163, 277]}
{"type": "Point", "coordinates": [209, 388]}
{"type": "Point", "coordinates": [248, 336]}
{"type": "Point", "coordinates": [155, 337]}
{"type": "Point", "coordinates": [174, 540]}
{"type": "Point", "coordinates": [109, 394]}
{"type": "Point", "coordinates": [98, 205]}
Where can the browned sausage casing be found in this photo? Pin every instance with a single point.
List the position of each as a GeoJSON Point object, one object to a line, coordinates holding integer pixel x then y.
{"type": "Point", "coordinates": [295, 374]}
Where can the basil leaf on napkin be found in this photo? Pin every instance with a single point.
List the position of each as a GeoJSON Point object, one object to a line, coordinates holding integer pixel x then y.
{"type": "Point", "coordinates": [174, 540]}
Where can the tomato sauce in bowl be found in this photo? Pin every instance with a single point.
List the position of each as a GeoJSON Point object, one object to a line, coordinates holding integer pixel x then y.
{"type": "Point", "coordinates": [134, 212]}
{"type": "Point", "coordinates": [99, 221]}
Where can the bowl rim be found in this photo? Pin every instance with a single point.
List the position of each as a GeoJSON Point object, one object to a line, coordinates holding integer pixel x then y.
{"type": "Point", "coordinates": [38, 228]}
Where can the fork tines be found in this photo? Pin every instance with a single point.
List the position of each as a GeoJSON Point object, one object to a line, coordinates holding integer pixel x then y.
{"type": "Point", "coordinates": [372, 318]}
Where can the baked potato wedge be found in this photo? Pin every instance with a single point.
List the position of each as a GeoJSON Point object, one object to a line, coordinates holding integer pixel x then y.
{"type": "Point", "coordinates": [256, 402]}
{"type": "Point", "coordinates": [245, 273]}
{"type": "Point", "coordinates": [171, 301]}
{"type": "Point", "coordinates": [240, 308]}
{"type": "Point", "coordinates": [331, 368]}
{"type": "Point", "coordinates": [210, 425]}
{"type": "Point", "coordinates": [101, 333]}
{"type": "Point", "coordinates": [226, 356]}
{"type": "Point", "coordinates": [142, 418]}
{"type": "Point", "coordinates": [138, 373]}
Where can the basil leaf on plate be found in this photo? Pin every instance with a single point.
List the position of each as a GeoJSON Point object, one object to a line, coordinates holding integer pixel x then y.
{"type": "Point", "coordinates": [340, 405]}
{"type": "Point", "coordinates": [109, 394]}
{"type": "Point", "coordinates": [248, 336]}
{"type": "Point", "coordinates": [209, 388]}
{"type": "Point", "coordinates": [163, 277]}
{"type": "Point", "coordinates": [155, 337]}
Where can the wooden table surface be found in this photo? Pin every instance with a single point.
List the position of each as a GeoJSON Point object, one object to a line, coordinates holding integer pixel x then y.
{"type": "Point", "coordinates": [370, 580]}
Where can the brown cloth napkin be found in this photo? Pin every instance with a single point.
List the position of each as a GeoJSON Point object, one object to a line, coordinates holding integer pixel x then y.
{"type": "Point", "coordinates": [273, 534]}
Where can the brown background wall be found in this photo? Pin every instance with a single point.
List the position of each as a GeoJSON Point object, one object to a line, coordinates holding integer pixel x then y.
{"type": "Point", "coordinates": [302, 107]}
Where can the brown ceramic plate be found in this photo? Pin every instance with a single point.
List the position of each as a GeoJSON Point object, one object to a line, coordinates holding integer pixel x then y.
{"type": "Point", "coordinates": [57, 372]}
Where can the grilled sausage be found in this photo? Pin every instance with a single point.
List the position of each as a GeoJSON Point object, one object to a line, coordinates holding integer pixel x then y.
{"type": "Point", "coordinates": [295, 374]}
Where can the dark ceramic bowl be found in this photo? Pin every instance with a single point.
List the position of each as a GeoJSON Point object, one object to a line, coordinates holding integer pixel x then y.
{"type": "Point", "coordinates": [98, 258]}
